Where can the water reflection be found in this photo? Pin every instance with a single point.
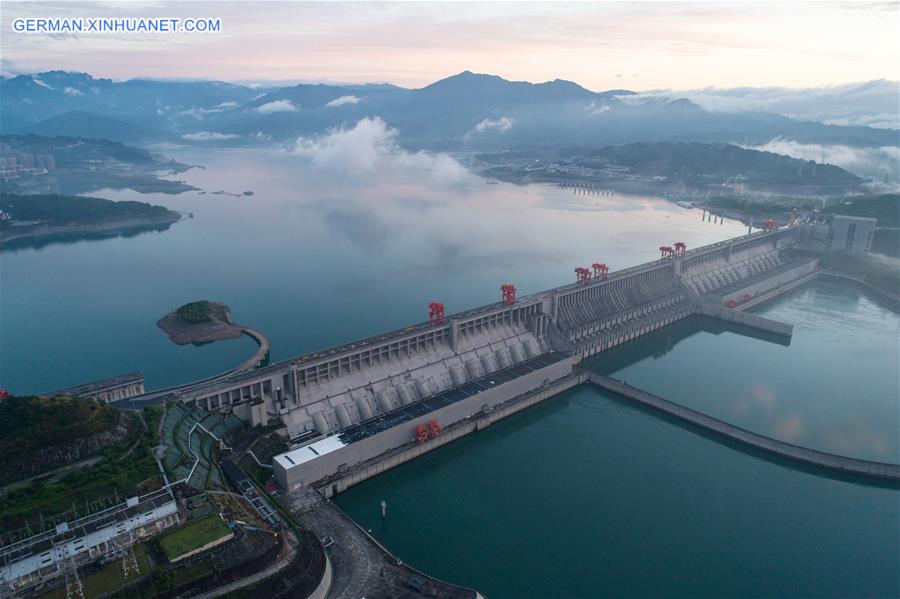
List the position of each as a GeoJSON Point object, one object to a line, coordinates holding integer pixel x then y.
{"type": "Point", "coordinates": [834, 388]}
{"type": "Point", "coordinates": [312, 259]}
{"type": "Point", "coordinates": [14, 245]}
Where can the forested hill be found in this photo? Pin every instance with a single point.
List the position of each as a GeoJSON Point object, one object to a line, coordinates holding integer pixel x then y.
{"type": "Point", "coordinates": [61, 210]}
{"type": "Point", "coordinates": [40, 433]}
{"type": "Point", "coordinates": [698, 163]}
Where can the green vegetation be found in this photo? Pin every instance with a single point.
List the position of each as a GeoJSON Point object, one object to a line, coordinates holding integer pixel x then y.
{"type": "Point", "coordinates": [109, 578]}
{"type": "Point", "coordinates": [127, 467]}
{"type": "Point", "coordinates": [760, 207]}
{"type": "Point", "coordinates": [880, 271]}
{"type": "Point", "coordinates": [702, 164]}
{"type": "Point", "coordinates": [196, 311]}
{"type": "Point", "coordinates": [885, 207]}
{"type": "Point", "coordinates": [31, 423]}
{"type": "Point", "coordinates": [193, 535]}
{"type": "Point", "coordinates": [152, 416]}
{"type": "Point", "coordinates": [59, 210]}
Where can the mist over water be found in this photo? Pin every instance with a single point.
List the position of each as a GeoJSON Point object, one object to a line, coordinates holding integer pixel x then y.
{"type": "Point", "coordinates": [580, 495]}
{"type": "Point", "coordinates": [316, 257]}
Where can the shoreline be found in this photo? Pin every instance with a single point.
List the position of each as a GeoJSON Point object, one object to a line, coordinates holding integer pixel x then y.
{"type": "Point", "coordinates": [105, 227]}
{"type": "Point", "coordinates": [219, 327]}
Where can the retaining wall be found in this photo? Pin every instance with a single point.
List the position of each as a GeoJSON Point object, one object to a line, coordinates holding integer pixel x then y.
{"type": "Point", "coordinates": [788, 451]}
{"type": "Point", "coordinates": [348, 457]}
{"type": "Point", "coordinates": [410, 450]}
{"type": "Point", "coordinates": [747, 319]}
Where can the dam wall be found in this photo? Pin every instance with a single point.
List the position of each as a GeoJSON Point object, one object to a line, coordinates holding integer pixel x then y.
{"type": "Point", "coordinates": [765, 282]}
{"type": "Point", "coordinates": [747, 319]}
{"type": "Point", "coordinates": [378, 464]}
{"type": "Point", "coordinates": [425, 386]}
{"type": "Point", "coordinates": [846, 465]}
{"type": "Point", "coordinates": [331, 456]}
{"type": "Point", "coordinates": [345, 404]}
{"type": "Point", "coordinates": [719, 265]}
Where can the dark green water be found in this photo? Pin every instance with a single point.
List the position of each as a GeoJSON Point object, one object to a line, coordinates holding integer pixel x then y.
{"type": "Point", "coordinates": [586, 495]}
{"type": "Point", "coordinates": [581, 496]}
{"type": "Point", "coordinates": [835, 388]}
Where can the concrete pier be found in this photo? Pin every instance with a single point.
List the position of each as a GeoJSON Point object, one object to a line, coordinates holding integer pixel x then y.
{"type": "Point", "coordinates": [830, 461]}
{"type": "Point", "coordinates": [747, 319]}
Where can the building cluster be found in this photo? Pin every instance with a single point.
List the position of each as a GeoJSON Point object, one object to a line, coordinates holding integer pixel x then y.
{"type": "Point", "coordinates": [40, 559]}
{"type": "Point", "coordinates": [26, 164]}
{"type": "Point", "coordinates": [844, 234]}
{"type": "Point", "coordinates": [114, 388]}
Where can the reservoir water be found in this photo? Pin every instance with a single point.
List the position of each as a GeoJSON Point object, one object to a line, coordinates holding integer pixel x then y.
{"type": "Point", "coordinates": [316, 257]}
{"type": "Point", "coordinates": [834, 388]}
{"type": "Point", "coordinates": [583, 495]}
{"type": "Point", "coordinates": [586, 495]}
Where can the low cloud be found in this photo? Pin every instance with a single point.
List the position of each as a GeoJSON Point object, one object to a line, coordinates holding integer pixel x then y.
{"type": "Point", "coordinates": [593, 109]}
{"type": "Point", "coordinates": [277, 106]}
{"type": "Point", "coordinates": [342, 101]}
{"type": "Point", "coordinates": [503, 124]}
{"type": "Point", "coordinates": [371, 145]}
{"type": "Point", "coordinates": [882, 165]}
{"type": "Point", "coordinates": [872, 103]}
{"type": "Point", "coordinates": [208, 136]}
{"type": "Point", "coordinates": [41, 83]}
{"type": "Point", "coordinates": [73, 92]}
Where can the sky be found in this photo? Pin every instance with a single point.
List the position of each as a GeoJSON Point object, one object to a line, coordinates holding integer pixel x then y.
{"type": "Point", "coordinates": [601, 45]}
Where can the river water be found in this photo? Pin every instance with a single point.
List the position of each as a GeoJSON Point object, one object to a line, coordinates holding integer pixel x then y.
{"type": "Point", "coordinates": [583, 495]}
{"type": "Point", "coordinates": [316, 257]}
{"type": "Point", "coordinates": [586, 495]}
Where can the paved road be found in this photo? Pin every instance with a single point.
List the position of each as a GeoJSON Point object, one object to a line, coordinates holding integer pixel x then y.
{"type": "Point", "coordinates": [158, 396]}
{"type": "Point", "coordinates": [361, 568]}
{"type": "Point", "coordinates": [285, 556]}
{"type": "Point", "coordinates": [353, 559]}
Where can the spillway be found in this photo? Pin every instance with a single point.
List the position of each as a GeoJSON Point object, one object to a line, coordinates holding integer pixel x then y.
{"type": "Point", "coordinates": [368, 398]}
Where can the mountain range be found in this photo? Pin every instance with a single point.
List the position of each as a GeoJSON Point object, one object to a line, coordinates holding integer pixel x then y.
{"type": "Point", "coordinates": [467, 111]}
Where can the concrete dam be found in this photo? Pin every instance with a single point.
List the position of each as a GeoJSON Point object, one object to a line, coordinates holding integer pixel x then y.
{"type": "Point", "coordinates": [352, 409]}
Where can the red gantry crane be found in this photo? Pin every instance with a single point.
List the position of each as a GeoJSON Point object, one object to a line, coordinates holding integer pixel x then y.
{"type": "Point", "coordinates": [680, 248]}
{"type": "Point", "coordinates": [509, 293]}
{"type": "Point", "coordinates": [601, 270]}
{"type": "Point", "coordinates": [666, 251]}
{"type": "Point", "coordinates": [436, 312]}
{"type": "Point", "coordinates": [583, 274]}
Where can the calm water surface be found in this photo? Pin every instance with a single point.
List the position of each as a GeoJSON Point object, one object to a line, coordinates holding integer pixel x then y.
{"type": "Point", "coordinates": [835, 388]}
{"type": "Point", "coordinates": [586, 496]}
{"type": "Point", "coordinates": [315, 258]}
{"type": "Point", "coordinates": [580, 496]}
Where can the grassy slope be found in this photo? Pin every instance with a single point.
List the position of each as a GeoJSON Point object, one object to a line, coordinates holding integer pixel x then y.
{"type": "Point", "coordinates": [193, 535]}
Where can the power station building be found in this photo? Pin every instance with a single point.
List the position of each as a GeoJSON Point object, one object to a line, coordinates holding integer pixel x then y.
{"type": "Point", "coordinates": [847, 234]}
{"type": "Point", "coordinates": [48, 555]}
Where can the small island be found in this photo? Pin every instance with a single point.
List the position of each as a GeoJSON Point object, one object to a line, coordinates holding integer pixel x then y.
{"type": "Point", "coordinates": [200, 322]}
